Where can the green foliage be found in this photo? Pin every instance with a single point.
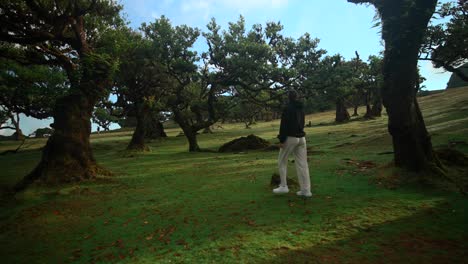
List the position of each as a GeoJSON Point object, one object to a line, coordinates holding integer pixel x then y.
{"type": "Point", "coordinates": [191, 95]}
{"type": "Point", "coordinates": [446, 43]}
{"type": "Point", "coordinates": [455, 81]}
{"type": "Point", "coordinates": [172, 46]}
{"type": "Point", "coordinates": [63, 34]}
{"type": "Point", "coordinates": [3, 117]}
{"type": "Point", "coordinates": [103, 117]}
{"type": "Point", "coordinates": [42, 132]}
{"type": "Point", "coordinates": [31, 90]}
{"type": "Point", "coordinates": [246, 110]}
{"type": "Point", "coordinates": [141, 82]}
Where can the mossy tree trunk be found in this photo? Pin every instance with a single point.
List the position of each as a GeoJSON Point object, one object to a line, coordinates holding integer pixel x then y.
{"type": "Point", "coordinates": [367, 96]}
{"type": "Point", "coordinates": [192, 139]}
{"type": "Point", "coordinates": [190, 131]}
{"type": "Point", "coordinates": [154, 128]}
{"type": "Point", "coordinates": [403, 26]}
{"type": "Point", "coordinates": [376, 109]}
{"type": "Point", "coordinates": [137, 142]}
{"type": "Point", "coordinates": [67, 155]}
{"type": "Point", "coordinates": [341, 114]}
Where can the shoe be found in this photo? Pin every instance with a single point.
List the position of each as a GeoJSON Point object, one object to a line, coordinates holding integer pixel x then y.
{"type": "Point", "coordinates": [281, 190]}
{"type": "Point", "coordinates": [305, 194]}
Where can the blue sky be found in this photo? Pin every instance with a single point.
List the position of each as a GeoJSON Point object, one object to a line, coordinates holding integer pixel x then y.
{"type": "Point", "coordinates": [341, 27]}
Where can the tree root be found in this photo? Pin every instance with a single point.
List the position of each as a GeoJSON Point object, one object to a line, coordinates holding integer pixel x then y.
{"type": "Point", "coordinates": [39, 174]}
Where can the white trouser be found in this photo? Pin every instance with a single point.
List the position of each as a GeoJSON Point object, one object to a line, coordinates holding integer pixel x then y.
{"type": "Point", "coordinates": [298, 147]}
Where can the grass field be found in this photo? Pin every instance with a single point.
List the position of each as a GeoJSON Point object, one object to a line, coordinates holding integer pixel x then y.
{"type": "Point", "coordinates": [171, 206]}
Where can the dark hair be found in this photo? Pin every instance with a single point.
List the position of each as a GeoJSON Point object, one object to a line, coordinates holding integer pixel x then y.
{"type": "Point", "coordinates": [293, 96]}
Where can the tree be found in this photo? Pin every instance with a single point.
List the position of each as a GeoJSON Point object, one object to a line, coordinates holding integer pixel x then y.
{"type": "Point", "coordinates": [29, 90]}
{"type": "Point", "coordinates": [43, 132]}
{"type": "Point", "coordinates": [141, 83]}
{"type": "Point", "coordinates": [154, 128]}
{"type": "Point", "coordinates": [358, 83]}
{"type": "Point", "coordinates": [446, 44]}
{"type": "Point", "coordinates": [103, 117]}
{"type": "Point", "coordinates": [65, 34]}
{"type": "Point", "coordinates": [193, 93]}
{"type": "Point", "coordinates": [334, 78]}
{"type": "Point", "coordinates": [374, 78]}
{"type": "Point", "coordinates": [260, 64]}
{"type": "Point", "coordinates": [404, 24]}
{"type": "Point", "coordinates": [245, 111]}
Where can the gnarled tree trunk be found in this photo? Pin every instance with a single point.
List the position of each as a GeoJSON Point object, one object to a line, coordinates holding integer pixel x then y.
{"type": "Point", "coordinates": [138, 138]}
{"type": "Point", "coordinates": [404, 23]}
{"type": "Point", "coordinates": [67, 156]}
{"type": "Point", "coordinates": [368, 107]}
{"type": "Point", "coordinates": [368, 111]}
{"type": "Point", "coordinates": [376, 109]}
{"type": "Point", "coordinates": [342, 114]}
{"type": "Point", "coordinates": [154, 127]}
{"type": "Point", "coordinates": [192, 139]}
{"type": "Point", "coordinates": [189, 132]}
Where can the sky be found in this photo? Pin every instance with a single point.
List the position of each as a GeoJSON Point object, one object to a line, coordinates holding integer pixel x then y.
{"type": "Point", "coordinates": [342, 27]}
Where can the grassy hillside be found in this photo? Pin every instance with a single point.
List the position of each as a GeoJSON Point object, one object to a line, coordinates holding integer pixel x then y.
{"type": "Point", "coordinates": [169, 205]}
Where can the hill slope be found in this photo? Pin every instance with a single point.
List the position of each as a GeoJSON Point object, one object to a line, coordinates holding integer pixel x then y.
{"type": "Point", "coordinates": [172, 206]}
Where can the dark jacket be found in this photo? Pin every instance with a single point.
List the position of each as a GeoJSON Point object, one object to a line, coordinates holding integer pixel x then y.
{"type": "Point", "coordinates": [292, 121]}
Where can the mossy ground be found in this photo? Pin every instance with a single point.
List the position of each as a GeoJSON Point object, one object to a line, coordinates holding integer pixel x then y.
{"type": "Point", "coordinates": [169, 205]}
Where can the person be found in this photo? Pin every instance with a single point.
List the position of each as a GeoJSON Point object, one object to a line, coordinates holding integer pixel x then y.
{"type": "Point", "coordinates": [292, 141]}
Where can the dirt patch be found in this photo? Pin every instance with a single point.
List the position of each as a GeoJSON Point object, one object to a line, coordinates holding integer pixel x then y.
{"type": "Point", "coordinates": [452, 156]}
{"type": "Point", "coordinates": [275, 181]}
{"type": "Point", "coordinates": [251, 142]}
{"type": "Point", "coordinates": [362, 165]}
{"type": "Point", "coordinates": [417, 247]}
